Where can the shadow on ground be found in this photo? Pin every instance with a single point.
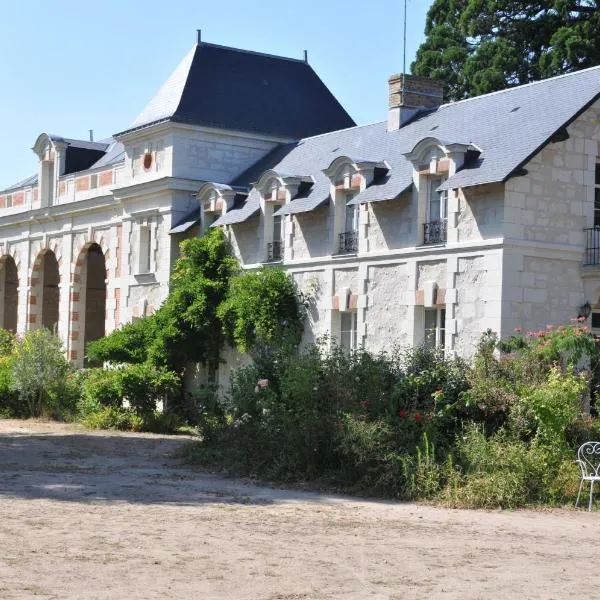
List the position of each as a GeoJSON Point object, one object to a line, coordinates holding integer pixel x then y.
{"type": "Point", "coordinates": [117, 467]}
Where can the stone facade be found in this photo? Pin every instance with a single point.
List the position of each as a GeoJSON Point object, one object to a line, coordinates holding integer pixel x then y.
{"type": "Point", "coordinates": [89, 251]}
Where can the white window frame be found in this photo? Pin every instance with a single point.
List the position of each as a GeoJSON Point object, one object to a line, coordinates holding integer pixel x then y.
{"type": "Point", "coordinates": [597, 193]}
{"type": "Point", "coordinates": [440, 327]}
{"type": "Point", "coordinates": [351, 332]}
{"type": "Point", "coordinates": [145, 247]}
{"type": "Point", "coordinates": [442, 196]}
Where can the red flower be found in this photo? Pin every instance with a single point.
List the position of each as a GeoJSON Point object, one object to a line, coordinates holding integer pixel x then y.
{"type": "Point", "coordinates": [418, 417]}
{"type": "Point", "coordinates": [402, 413]}
{"type": "Point", "coordinates": [365, 404]}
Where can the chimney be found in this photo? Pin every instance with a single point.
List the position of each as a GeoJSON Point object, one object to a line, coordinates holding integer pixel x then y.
{"type": "Point", "coordinates": [91, 135]}
{"type": "Point", "coordinates": [409, 95]}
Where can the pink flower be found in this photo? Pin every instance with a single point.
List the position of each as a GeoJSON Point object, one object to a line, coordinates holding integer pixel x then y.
{"type": "Point", "coordinates": [418, 417]}
{"type": "Point", "coordinates": [365, 404]}
{"type": "Point", "coordinates": [518, 330]}
{"type": "Point", "coordinates": [402, 413]}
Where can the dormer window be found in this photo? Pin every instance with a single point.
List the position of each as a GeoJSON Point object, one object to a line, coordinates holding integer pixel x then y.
{"type": "Point", "coordinates": [9, 201]}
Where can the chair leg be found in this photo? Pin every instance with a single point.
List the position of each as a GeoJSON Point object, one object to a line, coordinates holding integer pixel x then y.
{"type": "Point", "coordinates": [579, 492]}
{"type": "Point", "coordinates": [591, 494]}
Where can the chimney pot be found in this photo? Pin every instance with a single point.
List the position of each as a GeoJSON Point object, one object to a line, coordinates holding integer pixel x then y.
{"type": "Point", "coordinates": [91, 135]}
{"type": "Point", "coordinates": [409, 94]}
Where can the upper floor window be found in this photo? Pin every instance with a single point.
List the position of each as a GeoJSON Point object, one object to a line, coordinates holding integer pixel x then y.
{"type": "Point", "coordinates": [349, 237]}
{"type": "Point", "coordinates": [435, 226]}
{"type": "Point", "coordinates": [145, 247]}
{"type": "Point", "coordinates": [597, 196]}
{"type": "Point", "coordinates": [274, 247]}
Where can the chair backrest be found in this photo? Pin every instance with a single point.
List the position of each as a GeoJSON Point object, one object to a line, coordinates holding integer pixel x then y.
{"type": "Point", "coordinates": [588, 457]}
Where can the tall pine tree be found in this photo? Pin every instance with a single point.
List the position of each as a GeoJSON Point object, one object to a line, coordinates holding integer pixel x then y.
{"type": "Point", "coordinates": [479, 46]}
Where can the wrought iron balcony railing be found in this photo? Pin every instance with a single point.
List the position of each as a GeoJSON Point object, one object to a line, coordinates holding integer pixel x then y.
{"type": "Point", "coordinates": [274, 252]}
{"type": "Point", "coordinates": [592, 246]}
{"type": "Point", "coordinates": [434, 232]}
{"type": "Point", "coordinates": [348, 242]}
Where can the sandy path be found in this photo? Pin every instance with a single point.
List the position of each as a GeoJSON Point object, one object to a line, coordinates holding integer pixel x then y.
{"type": "Point", "coordinates": [91, 515]}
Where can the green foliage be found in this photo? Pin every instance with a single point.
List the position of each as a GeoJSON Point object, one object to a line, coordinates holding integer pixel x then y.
{"type": "Point", "coordinates": [479, 46]}
{"type": "Point", "coordinates": [113, 417]}
{"type": "Point", "coordinates": [555, 405]}
{"type": "Point", "coordinates": [126, 345]}
{"type": "Point", "coordinates": [261, 305]}
{"type": "Point", "coordinates": [143, 385]}
{"type": "Point", "coordinates": [186, 327]}
{"type": "Point", "coordinates": [39, 374]}
{"type": "Point", "coordinates": [102, 387]}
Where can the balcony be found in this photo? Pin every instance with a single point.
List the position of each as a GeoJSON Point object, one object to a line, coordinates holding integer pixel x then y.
{"type": "Point", "coordinates": [592, 246]}
{"type": "Point", "coordinates": [348, 242]}
{"type": "Point", "coordinates": [274, 253]}
{"type": "Point", "coordinates": [435, 232]}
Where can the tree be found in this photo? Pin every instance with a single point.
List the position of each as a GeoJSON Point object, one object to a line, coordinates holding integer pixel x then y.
{"type": "Point", "coordinates": [479, 46]}
{"type": "Point", "coordinates": [185, 328]}
{"type": "Point", "coordinates": [261, 305]}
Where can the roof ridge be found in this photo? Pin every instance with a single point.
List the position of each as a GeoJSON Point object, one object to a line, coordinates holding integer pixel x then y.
{"type": "Point", "coordinates": [312, 137]}
{"type": "Point", "coordinates": [519, 87]}
{"type": "Point", "coordinates": [266, 54]}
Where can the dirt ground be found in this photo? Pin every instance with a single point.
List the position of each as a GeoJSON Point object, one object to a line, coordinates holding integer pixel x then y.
{"type": "Point", "coordinates": [97, 515]}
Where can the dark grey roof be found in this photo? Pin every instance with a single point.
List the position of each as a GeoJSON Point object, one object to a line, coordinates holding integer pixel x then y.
{"type": "Point", "coordinates": [233, 89]}
{"type": "Point", "coordinates": [115, 153]}
{"type": "Point", "coordinates": [30, 181]}
{"type": "Point", "coordinates": [191, 219]}
{"type": "Point", "coordinates": [83, 144]}
{"type": "Point", "coordinates": [509, 127]}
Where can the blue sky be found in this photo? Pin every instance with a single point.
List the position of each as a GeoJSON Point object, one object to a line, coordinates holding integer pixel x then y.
{"type": "Point", "coordinates": [73, 65]}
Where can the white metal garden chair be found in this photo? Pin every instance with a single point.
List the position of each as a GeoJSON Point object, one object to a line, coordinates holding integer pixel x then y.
{"type": "Point", "coordinates": [588, 459]}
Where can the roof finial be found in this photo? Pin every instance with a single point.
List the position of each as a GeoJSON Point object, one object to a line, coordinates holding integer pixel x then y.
{"type": "Point", "coordinates": [306, 56]}
{"type": "Point", "coordinates": [198, 36]}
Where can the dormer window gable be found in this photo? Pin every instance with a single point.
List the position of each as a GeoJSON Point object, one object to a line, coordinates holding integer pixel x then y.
{"type": "Point", "coordinates": [354, 175]}
{"type": "Point", "coordinates": [431, 156]}
{"type": "Point", "coordinates": [277, 188]}
{"type": "Point", "coordinates": [217, 199]}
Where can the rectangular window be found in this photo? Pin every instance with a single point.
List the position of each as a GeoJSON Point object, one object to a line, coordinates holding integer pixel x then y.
{"type": "Point", "coordinates": [435, 328]}
{"type": "Point", "coordinates": [597, 196]}
{"type": "Point", "coordinates": [596, 320]}
{"type": "Point", "coordinates": [348, 331]}
{"type": "Point", "coordinates": [145, 249]}
{"type": "Point", "coordinates": [434, 228]}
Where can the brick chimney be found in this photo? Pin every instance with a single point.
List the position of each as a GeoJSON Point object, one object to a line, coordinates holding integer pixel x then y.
{"type": "Point", "coordinates": [409, 94]}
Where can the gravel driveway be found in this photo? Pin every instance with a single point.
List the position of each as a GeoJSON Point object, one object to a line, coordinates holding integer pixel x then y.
{"type": "Point", "coordinates": [98, 515]}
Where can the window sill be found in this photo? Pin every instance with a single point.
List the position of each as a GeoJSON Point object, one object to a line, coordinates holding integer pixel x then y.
{"type": "Point", "coordinates": [145, 277]}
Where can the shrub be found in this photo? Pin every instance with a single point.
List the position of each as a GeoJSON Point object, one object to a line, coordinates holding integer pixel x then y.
{"type": "Point", "coordinates": [143, 385]}
{"type": "Point", "coordinates": [10, 406]}
{"type": "Point", "coordinates": [102, 387]}
{"type": "Point", "coordinates": [112, 417]}
{"type": "Point", "coordinates": [39, 373]}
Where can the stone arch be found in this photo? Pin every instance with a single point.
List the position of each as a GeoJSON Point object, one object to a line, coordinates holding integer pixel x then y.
{"type": "Point", "coordinates": [44, 298]}
{"type": "Point", "coordinates": [89, 294]}
{"type": "Point", "coordinates": [9, 293]}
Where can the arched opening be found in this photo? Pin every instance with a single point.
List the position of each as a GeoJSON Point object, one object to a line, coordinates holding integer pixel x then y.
{"type": "Point", "coordinates": [9, 293]}
{"type": "Point", "coordinates": [94, 294]}
{"type": "Point", "coordinates": [50, 279]}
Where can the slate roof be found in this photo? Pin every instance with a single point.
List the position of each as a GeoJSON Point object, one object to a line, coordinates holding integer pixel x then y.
{"type": "Point", "coordinates": [30, 181]}
{"type": "Point", "coordinates": [233, 89]}
{"type": "Point", "coordinates": [115, 153]}
{"type": "Point", "coordinates": [509, 127]}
